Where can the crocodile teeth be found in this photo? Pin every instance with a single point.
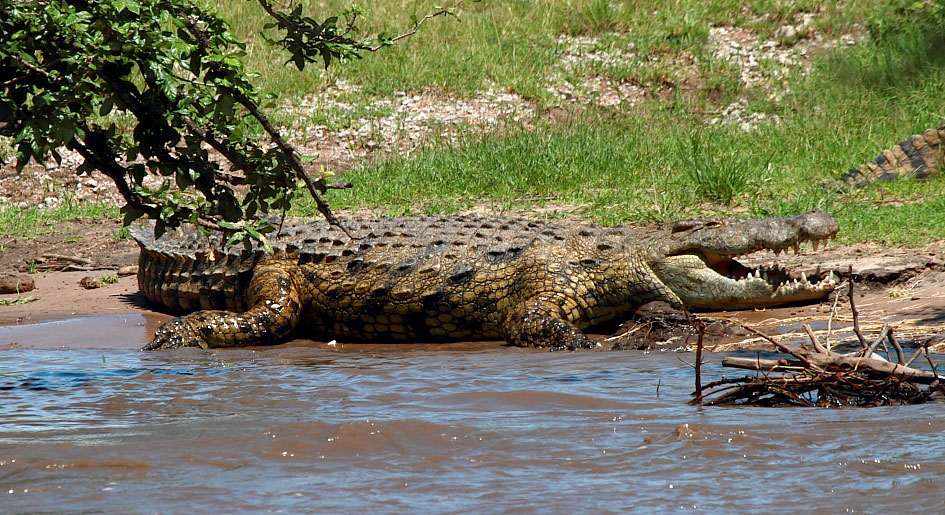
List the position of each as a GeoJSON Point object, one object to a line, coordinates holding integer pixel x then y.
{"type": "Point", "coordinates": [804, 278]}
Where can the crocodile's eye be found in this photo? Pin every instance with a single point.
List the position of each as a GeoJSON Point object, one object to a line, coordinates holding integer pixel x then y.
{"type": "Point", "coordinates": [694, 224]}
{"type": "Point", "coordinates": [686, 225]}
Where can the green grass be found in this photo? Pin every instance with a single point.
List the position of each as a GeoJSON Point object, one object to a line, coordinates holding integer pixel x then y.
{"type": "Point", "coordinates": [716, 167]}
{"type": "Point", "coordinates": [16, 301]}
{"type": "Point", "coordinates": [121, 233]}
{"type": "Point", "coordinates": [514, 44]}
{"type": "Point", "coordinates": [666, 163]}
{"type": "Point", "coordinates": [33, 221]}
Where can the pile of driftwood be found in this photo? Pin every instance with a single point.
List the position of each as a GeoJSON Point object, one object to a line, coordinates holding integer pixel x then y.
{"type": "Point", "coordinates": [815, 375]}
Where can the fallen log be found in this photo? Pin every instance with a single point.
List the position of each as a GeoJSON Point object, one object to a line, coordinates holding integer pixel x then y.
{"type": "Point", "coordinates": [834, 362]}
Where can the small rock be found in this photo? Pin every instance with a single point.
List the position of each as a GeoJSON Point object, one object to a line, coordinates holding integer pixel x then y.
{"type": "Point", "coordinates": [16, 284]}
{"type": "Point", "coordinates": [89, 283]}
{"type": "Point", "coordinates": [786, 33]}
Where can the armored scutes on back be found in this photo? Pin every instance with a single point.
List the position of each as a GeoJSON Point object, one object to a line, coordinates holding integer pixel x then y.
{"type": "Point", "coordinates": [463, 277]}
{"type": "Point", "coordinates": [921, 155]}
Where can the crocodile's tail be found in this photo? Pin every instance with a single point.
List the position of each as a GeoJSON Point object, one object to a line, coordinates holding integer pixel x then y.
{"type": "Point", "coordinates": [920, 155]}
{"type": "Point", "coordinates": [178, 273]}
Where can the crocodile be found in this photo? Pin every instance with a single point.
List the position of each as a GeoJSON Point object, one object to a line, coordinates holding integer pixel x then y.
{"type": "Point", "coordinates": [463, 277]}
{"type": "Point", "coordinates": [920, 155]}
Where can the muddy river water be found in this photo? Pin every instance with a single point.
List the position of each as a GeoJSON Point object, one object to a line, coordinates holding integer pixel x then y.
{"type": "Point", "coordinates": [99, 426]}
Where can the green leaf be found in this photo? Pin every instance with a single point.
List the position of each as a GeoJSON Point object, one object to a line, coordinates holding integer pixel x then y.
{"type": "Point", "coordinates": [236, 238]}
{"type": "Point", "coordinates": [130, 5]}
{"type": "Point", "coordinates": [326, 56]}
{"type": "Point", "coordinates": [131, 214]}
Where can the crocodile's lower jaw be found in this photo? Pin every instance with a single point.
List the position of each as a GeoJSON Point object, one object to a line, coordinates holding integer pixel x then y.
{"type": "Point", "coordinates": [701, 287]}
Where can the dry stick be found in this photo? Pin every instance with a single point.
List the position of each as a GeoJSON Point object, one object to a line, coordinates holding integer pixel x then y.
{"type": "Point", "coordinates": [784, 348]}
{"type": "Point", "coordinates": [72, 259]}
{"type": "Point", "coordinates": [833, 311]}
{"type": "Point", "coordinates": [856, 315]}
{"type": "Point", "coordinates": [760, 364]}
{"type": "Point", "coordinates": [813, 339]}
{"type": "Point", "coordinates": [918, 352]}
{"type": "Point", "coordinates": [700, 331]}
{"type": "Point", "coordinates": [882, 336]}
{"type": "Point", "coordinates": [895, 344]}
{"type": "Point", "coordinates": [935, 385]}
{"type": "Point", "coordinates": [929, 359]}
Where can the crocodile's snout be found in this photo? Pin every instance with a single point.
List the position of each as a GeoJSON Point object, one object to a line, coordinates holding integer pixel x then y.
{"type": "Point", "coordinates": [701, 269]}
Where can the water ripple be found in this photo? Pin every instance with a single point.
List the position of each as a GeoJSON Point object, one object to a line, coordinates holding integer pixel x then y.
{"type": "Point", "coordinates": [309, 429]}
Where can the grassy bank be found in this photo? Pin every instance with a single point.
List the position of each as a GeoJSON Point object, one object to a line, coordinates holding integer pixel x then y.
{"type": "Point", "coordinates": [514, 44]}
{"type": "Point", "coordinates": [661, 160]}
{"type": "Point", "coordinates": [806, 91]}
{"type": "Point", "coordinates": [34, 221]}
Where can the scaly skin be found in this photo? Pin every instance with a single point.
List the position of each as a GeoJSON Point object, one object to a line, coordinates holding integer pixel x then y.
{"type": "Point", "coordinates": [921, 155]}
{"type": "Point", "coordinates": [462, 277]}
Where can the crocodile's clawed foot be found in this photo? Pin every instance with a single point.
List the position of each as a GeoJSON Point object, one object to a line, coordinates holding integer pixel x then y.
{"type": "Point", "coordinates": [174, 334]}
{"type": "Point", "coordinates": [578, 341]}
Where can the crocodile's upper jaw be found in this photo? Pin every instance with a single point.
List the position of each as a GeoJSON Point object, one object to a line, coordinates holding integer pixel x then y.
{"type": "Point", "coordinates": [707, 277]}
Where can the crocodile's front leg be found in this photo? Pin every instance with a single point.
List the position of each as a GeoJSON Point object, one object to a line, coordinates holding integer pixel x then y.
{"type": "Point", "coordinates": [276, 307]}
{"type": "Point", "coordinates": [542, 321]}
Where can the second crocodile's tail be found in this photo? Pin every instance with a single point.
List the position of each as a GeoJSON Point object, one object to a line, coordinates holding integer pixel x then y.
{"type": "Point", "coordinates": [920, 155]}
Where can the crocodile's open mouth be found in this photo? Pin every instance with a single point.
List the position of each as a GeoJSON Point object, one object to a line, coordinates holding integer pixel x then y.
{"type": "Point", "coordinates": [775, 275]}
{"type": "Point", "coordinates": [705, 280]}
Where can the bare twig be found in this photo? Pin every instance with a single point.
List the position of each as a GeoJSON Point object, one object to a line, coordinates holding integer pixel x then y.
{"type": "Point", "coordinates": [813, 339]}
{"type": "Point", "coordinates": [447, 11]}
{"type": "Point", "coordinates": [915, 356]}
{"type": "Point", "coordinates": [833, 312]}
{"type": "Point", "coordinates": [72, 259]}
{"type": "Point", "coordinates": [929, 359]}
{"type": "Point", "coordinates": [856, 315]}
{"type": "Point", "coordinates": [783, 348]}
{"type": "Point", "coordinates": [882, 336]}
{"type": "Point", "coordinates": [699, 326]}
{"type": "Point", "coordinates": [762, 365]}
{"type": "Point", "coordinates": [899, 354]}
